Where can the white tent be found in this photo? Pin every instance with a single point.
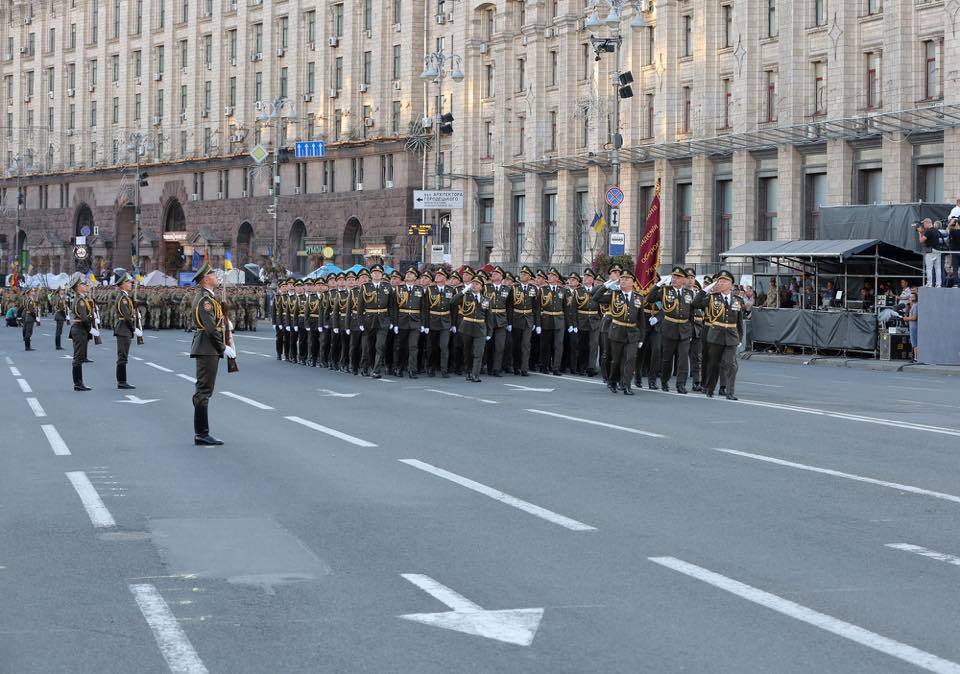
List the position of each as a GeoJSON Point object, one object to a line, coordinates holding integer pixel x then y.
{"type": "Point", "coordinates": [234, 277]}
{"type": "Point", "coordinates": [51, 281]}
{"type": "Point", "coordinates": [158, 278]}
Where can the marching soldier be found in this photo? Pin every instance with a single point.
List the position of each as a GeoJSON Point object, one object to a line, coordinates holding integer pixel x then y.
{"type": "Point", "coordinates": [589, 324]}
{"type": "Point", "coordinates": [627, 329]}
{"type": "Point", "coordinates": [279, 300]}
{"type": "Point", "coordinates": [59, 316]}
{"type": "Point", "coordinates": [526, 320]}
{"type": "Point", "coordinates": [648, 361]}
{"type": "Point", "coordinates": [313, 308]}
{"type": "Point", "coordinates": [676, 304]}
{"type": "Point", "coordinates": [552, 298]}
{"type": "Point", "coordinates": [456, 284]}
{"type": "Point", "coordinates": [705, 355]}
{"type": "Point", "coordinates": [375, 318]}
{"type": "Point", "coordinates": [125, 325]}
{"type": "Point", "coordinates": [604, 308]}
{"type": "Point", "coordinates": [571, 308]}
{"type": "Point", "coordinates": [31, 317]}
{"type": "Point", "coordinates": [84, 326]}
{"type": "Point", "coordinates": [298, 345]}
{"type": "Point", "coordinates": [440, 303]}
{"type": "Point", "coordinates": [501, 318]}
{"type": "Point", "coordinates": [342, 329]}
{"type": "Point", "coordinates": [509, 280]}
{"type": "Point", "coordinates": [207, 349]}
{"type": "Point", "coordinates": [723, 313]}
{"type": "Point", "coordinates": [696, 338]}
{"type": "Point", "coordinates": [411, 315]}
{"type": "Point", "coordinates": [476, 322]}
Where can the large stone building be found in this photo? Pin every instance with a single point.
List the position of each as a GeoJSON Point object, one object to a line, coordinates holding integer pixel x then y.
{"type": "Point", "coordinates": [753, 114]}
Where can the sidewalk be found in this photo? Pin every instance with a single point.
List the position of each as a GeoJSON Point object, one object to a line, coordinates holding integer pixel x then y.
{"type": "Point", "coordinates": [855, 363]}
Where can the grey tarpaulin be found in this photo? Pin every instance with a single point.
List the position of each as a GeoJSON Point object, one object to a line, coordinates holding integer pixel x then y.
{"type": "Point", "coordinates": [835, 330]}
{"type": "Point", "coordinates": [891, 223]}
{"type": "Point", "coordinates": [938, 327]}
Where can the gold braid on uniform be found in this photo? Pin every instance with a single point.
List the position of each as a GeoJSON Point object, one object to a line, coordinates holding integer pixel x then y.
{"type": "Point", "coordinates": [614, 311]}
{"type": "Point", "coordinates": [582, 300]}
{"type": "Point", "coordinates": [402, 295]}
{"type": "Point", "coordinates": [518, 297]}
{"type": "Point", "coordinates": [668, 308]}
{"type": "Point", "coordinates": [468, 308]}
{"type": "Point", "coordinates": [368, 298]}
{"type": "Point", "coordinates": [715, 310]}
{"type": "Point", "coordinates": [548, 298]}
{"type": "Point", "coordinates": [435, 302]}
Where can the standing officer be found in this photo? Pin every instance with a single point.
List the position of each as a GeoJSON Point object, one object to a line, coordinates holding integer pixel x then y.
{"type": "Point", "coordinates": [125, 326]}
{"type": "Point", "coordinates": [588, 317]}
{"type": "Point", "coordinates": [627, 329]}
{"type": "Point", "coordinates": [411, 314]}
{"type": "Point", "coordinates": [526, 320]}
{"type": "Point", "coordinates": [207, 349]}
{"type": "Point", "coordinates": [552, 299]}
{"type": "Point", "coordinates": [60, 316]}
{"type": "Point", "coordinates": [676, 303]}
{"type": "Point", "coordinates": [280, 333]}
{"type": "Point", "coordinates": [81, 330]}
{"type": "Point", "coordinates": [571, 309]}
{"type": "Point", "coordinates": [375, 314]}
{"type": "Point", "coordinates": [475, 326]}
{"type": "Point", "coordinates": [300, 326]}
{"type": "Point", "coordinates": [312, 325]}
{"type": "Point", "coordinates": [501, 310]}
{"type": "Point", "coordinates": [31, 317]}
{"type": "Point", "coordinates": [440, 303]}
{"type": "Point", "coordinates": [723, 311]}
{"type": "Point", "coordinates": [696, 338]}
{"type": "Point", "coordinates": [604, 308]}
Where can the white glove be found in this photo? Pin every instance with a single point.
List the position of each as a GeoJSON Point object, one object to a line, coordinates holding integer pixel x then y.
{"type": "Point", "coordinates": [611, 284]}
{"type": "Point", "coordinates": [576, 330]}
{"type": "Point", "coordinates": [138, 333]}
{"type": "Point", "coordinates": [488, 338]}
{"type": "Point", "coordinates": [336, 331]}
{"type": "Point", "coordinates": [321, 328]}
{"type": "Point", "coordinates": [230, 325]}
{"type": "Point", "coordinates": [94, 332]}
{"type": "Point", "coordinates": [537, 330]}
{"type": "Point", "coordinates": [288, 328]}
{"type": "Point", "coordinates": [426, 331]}
{"type": "Point", "coordinates": [639, 345]}
{"type": "Point", "coordinates": [348, 331]}
{"type": "Point", "coordinates": [653, 320]}
{"type": "Point", "coordinates": [296, 328]}
{"type": "Point", "coordinates": [308, 328]}
{"type": "Point", "coordinates": [509, 328]}
{"type": "Point", "coordinates": [396, 329]}
{"type": "Point", "coordinates": [570, 329]}
{"type": "Point", "coordinates": [391, 327]}
{"type": "Point", "coordinates": [229, 352]}
{"type": "Point", "coordinates": [362, 328]}
{"type": "Point", "coordinates": [453, 329]}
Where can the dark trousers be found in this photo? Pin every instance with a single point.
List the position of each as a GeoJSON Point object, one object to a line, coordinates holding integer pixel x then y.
{"type": "Point", "coordinates": [313, 345]}
{"type": "Point", "coordinates": [588, 342]}
{"type": "Point", "coordinates": [498, 340]}
{"type": "Point", "coordinates": [375, 349]}
{"type": "Point", "coordinates": [623, 357]}
{"type": "Point", "coordinates": [406, 339]}
{"type": "Point", "coordinates": [679, 349]}
{"type": "Point", "coordinates": [123, 350]}
{"type": "Point", "coordinates": [696, 358]}
{"type": "Point", "coordinates": [303, 341]}
{"type": "Point", "coordinates": [722, 366]}
{"type": "Point", "coordinates": [356, 343]}
{"type": "Point", "coordinates": [473, 352]}
{"type": "Point", "coordinates": [649, 360]}
{"type": "Point", "coordinates": [439, 346]}
{"type": "Point", "coordinates": [27, 332]}
{"type": "Point", "coordinates": [605, 354]}
{"type": "Point", "coordinates": [521, 348]}
{"type": "Point", "coordinates": [281, 340]}
{"type": "Point", "coordinates": [551, 349]}
{"type": "Point", "coordinates": [573, 351]}
{"type": "Point", "coordinates": [508, 351]}
{"type": "Point", "coordinates": [80, 341]}
{"type": "Point", "coordinates": [206, 379]}
{"type": "Point", "coordinates": [59, 334]}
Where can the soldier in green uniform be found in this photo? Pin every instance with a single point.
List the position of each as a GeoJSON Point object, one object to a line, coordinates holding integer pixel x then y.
{"type": "Point", "coordinates": [588, 316]}
{"type": "Point", "coordinates": [696, 341]}
{"type": "Point", "coordinates": [30, 310]}
{"type": "Point", "coordinates": [279, 334]}
{"type": "Point", "coordinates": [440, 302]}
{"type": "Point", "coordinates": [552, 299]}
{"type": "Point", "coordinates": [375, 318]}
{"type": "Point", "coordinates": [59, 316]}
{"type": "Point", "coordinates": [82, 328]}
{"type": "Point", "coordinates": [526, 320]}
{"type": "Point", "coordinates": [312, 311]}
{"type": "Point", "coordinates": [627, 329]}
{"type": "Point", "coordinates": [476, 323]}
{"type": "Point", "coordinates": [676, 306]}
{"type": "Point", "coordinates": [723, 312]}
{"type": "Point", "coordinates": [207, 349]}
{"type": "Point", "coordinates": [501, 319]}
{"type": "Point", "coordinates": [410, 316]}
{"type": "Point", "coordinates": [125, 324]}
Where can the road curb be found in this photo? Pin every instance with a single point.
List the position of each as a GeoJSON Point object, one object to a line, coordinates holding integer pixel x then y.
{"type": "Point", "coordinates": [856, 364]}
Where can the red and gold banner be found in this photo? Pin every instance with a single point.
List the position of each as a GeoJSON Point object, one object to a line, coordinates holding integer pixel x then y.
{"type": "Point", "coordinates": [648, 256]}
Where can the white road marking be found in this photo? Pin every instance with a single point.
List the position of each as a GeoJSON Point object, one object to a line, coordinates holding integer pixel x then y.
{"type": "Point", "coordinates": [57, 444]}
{"type": "Point", "coordinates": [184, 353]}
{"type": "Point", "coordinates": [458, 395]}
{"type": "Point", "coordinates": [92, 503]}
{"type": "Point", "coordinates": [134, 357]}
{"type": "Point", "coordinates": [854, 633]}
{"type": "Point", "coordinates": [249, 401]}
{"type": "Point", "coordinates": [14, 371]}
{"type": "Point", "coordinates": [518, 387]}
{"type": "Point", "coordinates": [387, 381]}
{"type": "Point", "coordinates": [846, 476]}
{"type": "Point", "coordinates": [36, 407]}
{"type": "Point", "coordinates": [8, 360]}
{"type": "Point", "coordinates": [190, 379]}
{"type": "Point", "coordinates": [171, 639]}
{"type": "Point", "coordinates": [330, 431]}
{"type": "Point", "coordinates": [185, 341]}
{"type": "Point", "coordinates": [266, 339]}
{"type": "Point", "coordinates": [598, 423]}
{"type": "Point", "coordinates": [159, 367]}
{"type": "Point", "coordinates": [327, 393]}
{"type": "Point", "coordinates": [134, 400]}
{"type": "Point", "coordinates": [498, 495]}
{"type": "Point", "coordinates": [24, 386]}
{"type": "Point", "coordinates": [926, 552]}
{"type": "Point", "coordinates": [924, 403]}
{"type": "Point", "coordinates": [755, 383]}
{"type": "Point", "coordinates": [568, 378]}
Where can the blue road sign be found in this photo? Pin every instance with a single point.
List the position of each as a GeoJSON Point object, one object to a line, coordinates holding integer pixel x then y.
{"type": "Point", "coordinates": [310, 149]}
{"type": "Point", "coordinates": [614, 197]}
{"type": "Point", "coordinates": [85, 231]}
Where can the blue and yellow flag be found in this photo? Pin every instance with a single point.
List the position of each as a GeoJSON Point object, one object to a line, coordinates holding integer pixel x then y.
{"type": "Point", "coordinates": [599, 222]}
{"type": "Point", "coordinates": [228, 260]}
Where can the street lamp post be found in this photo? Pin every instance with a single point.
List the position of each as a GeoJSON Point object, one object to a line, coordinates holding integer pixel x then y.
{"type": "Point", "coordinates": [15, 247]}
{"type": "Point", "coordinates": [138, 144]}
{"type": "Point", "coordinates": [273, 119]}
{"type": "Point", "coordinates": [620, 80]}
{"type": "Point", "coordinates": [436, 67]}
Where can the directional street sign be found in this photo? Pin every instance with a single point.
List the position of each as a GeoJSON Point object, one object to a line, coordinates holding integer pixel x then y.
{"type": "Point", "coordinates": [426, 199]}
{"type": "Point", "coordinates": [259, 153]}
{"type": "Point", "coordinates": [618, 242]}
{"type": "Point", "coordinates": [309, 149]}
{"type": "Point", "coordinates": [614, 196]}
{"type": "Point", "coordinates": [614, 219]}
{"type": "Point", "coordinates": [514, 626]}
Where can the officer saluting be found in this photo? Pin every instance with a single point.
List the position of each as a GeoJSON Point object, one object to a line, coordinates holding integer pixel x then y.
{"type": "Point", "coordinates": [723, 314]}
{"type": "Point", "coordinates": [676, 303]}
{"type": "Point", "coordinates": [476, 325]}
{"type": "Point", "coordinates": [411, 313]}
{"type": "Point", "coordinates": [627, 327]}
{"type": "Point", "coordinates": [207, 349]}
{"type": "Point", "coordinates": [81, 330]}
{"type": "Point", "coordinates": [126, 325]}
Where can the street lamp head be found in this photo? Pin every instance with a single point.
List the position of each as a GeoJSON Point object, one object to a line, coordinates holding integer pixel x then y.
{"type": "Point", "coordinates": [613, 18]}
{"type": "Point", "coordinates": [593, 21]}
{"type": "Point", "coordinates": [457, 75]}
{"type": "Point", "coordinates": [638, 22]}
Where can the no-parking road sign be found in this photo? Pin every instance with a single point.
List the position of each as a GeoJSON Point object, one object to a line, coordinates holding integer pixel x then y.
{"type": "Point", "coordinates": [614, 197]}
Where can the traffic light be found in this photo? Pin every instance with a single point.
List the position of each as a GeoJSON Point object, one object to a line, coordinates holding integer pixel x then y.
{"type": "Point", "coordinates": [446, 123]}
{"type": "Point", "coordinates": [284, 155]}
{"type": "Point", "coordinates": [625, 90]}
{"type": "Point", "coordinates": [142, 179]}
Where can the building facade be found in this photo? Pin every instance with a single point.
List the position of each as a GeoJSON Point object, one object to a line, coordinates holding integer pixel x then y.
{"type": "Point", "coordinates": [752, 115]}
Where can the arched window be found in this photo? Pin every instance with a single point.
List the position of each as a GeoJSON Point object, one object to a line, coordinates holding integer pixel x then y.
{"type": "Point", "coordinates": [84, 219]}
{"type": "Point", "coordinates": [244, 241]}
{"type": "Point", "coordinates": [175, 221]}
{"type": "Point", "coordinates": [295, 243]}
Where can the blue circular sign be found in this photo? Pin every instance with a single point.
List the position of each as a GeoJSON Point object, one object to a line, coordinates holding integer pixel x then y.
{"type": "Point", "coordinates": [85, 231]}
{"type": "Point", "coordinates": [614, 196]}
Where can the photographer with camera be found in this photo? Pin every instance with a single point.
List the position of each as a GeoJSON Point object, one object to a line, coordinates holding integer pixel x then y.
{"type": "Point", "coordinates": [931, 243]}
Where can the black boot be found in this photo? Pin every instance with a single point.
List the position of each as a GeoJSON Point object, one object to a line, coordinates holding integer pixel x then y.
{"type": "Point", "coordinates": [57, 343]}
{"type": "Point", "coordinates": [122, 379]}
{"type": "Point", "coordinates": [627, 391]}
{"type": "Point", "coordinates": [26, 344]}
{"type": "Point", "coordinates": [78, 384]}
{"type": "Point", "coordinates": [201, 428]}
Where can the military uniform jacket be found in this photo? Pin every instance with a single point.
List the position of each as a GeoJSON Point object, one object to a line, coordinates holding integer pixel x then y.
{"type": "Point", "coordinates": [339, 306]}
{"type": "Point", "coordinates": [300, 316]}
{"type": "Point", "coordinates": [501, 305]}
{"type": "Point", "coordinates": [31, 310]}
{"type": "Point", "coordinates": [278, 302]}
{"type": "Point", "coordinates": [59, 309]}
{"type": "Point", "coordinates": [83, 309]}
{"type": "Point", "coordinates": [208, 320]}
{"type": "Point", "coordinates": [628, 322]}
{"type": "Point", "coordinates": [126, 316]}
{"type": "Point", "coordinates": [440, 306]}
{"type": "Point", "coordinates": [314, 307]}
{"type": "Point", "coordinates": [602, 300]}
{"type": "Point", "coordinates": [526, 306]}
{"type": "Point", "coordinates": [326, 315]}
{"type": "Point", "coordinates": [552, 299]}
{"type": "Point", "coordinates": [676, 305]}
{"type": "Point", "coordinates": [724, 320]}
{"type": "Point", "coordinates": [476, 317]}
{"type": "Point", "coordinates": [581, 310]}
{"type": "Point", "coordinates": [376, 306]}
{"type": "Point", "coordinates": [411, 310]}
{"type": "Point", "coordinates": [353, 305]}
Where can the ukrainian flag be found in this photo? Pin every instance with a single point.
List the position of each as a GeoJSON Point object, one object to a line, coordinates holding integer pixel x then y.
{"type": "Point", "coordinates": [93, 278]}
{"type": "Point", "coordinates": [599, 222]}
{"type": "Point", "coordinates": [228, 260]}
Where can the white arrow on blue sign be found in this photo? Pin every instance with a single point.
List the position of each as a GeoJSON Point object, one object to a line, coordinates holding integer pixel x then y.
{"type": "Point", "coordinates": [310, 149]}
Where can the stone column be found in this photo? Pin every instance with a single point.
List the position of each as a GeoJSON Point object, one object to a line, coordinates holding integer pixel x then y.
{"type": "Point", "coordinates": [790, 197]}
{"type": "Point", "coordinates": [897, 170]}
{"type": "Point", "coordinates": [703, 217]}
{"type": "Point", "coordinates": [744, 198]}
{"type": "Point", "coordinates": [566, 218]}
{"type": "Point", "coordinates": [840, 170]}
{"type": "Point", "coordinates": [533, 244]}
{"type": "Point", "coordinates": [668, 211]}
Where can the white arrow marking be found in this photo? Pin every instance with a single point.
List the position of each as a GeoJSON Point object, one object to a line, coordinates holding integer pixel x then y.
{"type": "Point", "coordinates": [134, 400]}
{"type": "Point", "coordinates": [159, 367]}
{"type": "Point", "coordinates": [327, 393]}
{"type": "Point", "coordinates": [518, 387]}
{"type": "Point", "coordinates": [513, 626]}
{"type": "Point", "coordinates": [460, 395]}
{"type": "Point", "coordinates": [184, 353]}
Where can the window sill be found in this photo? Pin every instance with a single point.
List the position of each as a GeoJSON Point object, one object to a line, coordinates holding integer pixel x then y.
{"type": "Point", "coordinates": [685, 59]}
{"type": "Point", "coordinates": [935, 99]}
{"type": "Point", "coordinates": [870, 18]}
{"type": "Point", "coordinates": [769, 39]}
{"type": "Point", "coordinates": [725, 50]}
{"type": "Point", "coordinates": [813, 30]}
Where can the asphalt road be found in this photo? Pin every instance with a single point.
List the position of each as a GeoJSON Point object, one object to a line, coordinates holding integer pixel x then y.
{"type": "Point", "coordinates": [519, 525]}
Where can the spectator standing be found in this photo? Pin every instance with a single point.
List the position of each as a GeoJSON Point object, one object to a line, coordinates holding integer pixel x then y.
{"type": "Point", "coordinates": [930, 244]}
{"type": "Point", "coordinates": [773, 295]}
{"type": "Point", "coordinates": [953, 243]}
{"type": "Point", "coordinates": [955, 211]}
{"type": "Point", "coordinates": [910, 315]}
{"type": "Point", "coordinates": [904, 297]}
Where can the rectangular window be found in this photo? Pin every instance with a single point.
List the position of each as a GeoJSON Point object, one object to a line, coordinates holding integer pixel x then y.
{"type": "Point", "coordinates": [549, 237]}
{"type": "Point", "coordinates": [815, 196]}
{"type": "Point", "coordinates": [116, 110]}
{"type": "Point", "coordinates": [489, 24]}
{"type": "Point", "coordinates": [94, 24]}
{"type": "Point", "coordinates": [284, 32]}
{"type": "Point", "coordinates": [870, 185]}
{"type": "Point", "coordinates": [367, 73]}
{"type": "Point", "coordinates": [519, 225]}
{"type": "Point", "coordinates": [258, 86]}
{"type": "Point", "coordinates": [232, 42]}
{"type": "Point", "coordinates": [873, 81]}
{"type": "Point", "coordinates": [681, 235]}
{"type": "Point", "coordinates": [586, 67]}
{"type": "Point", "coordinates": [183, 98]}
{"type": "Point", "coordinates": [687, 37]}
{"type": "Point", "coordinates": [521, 134]}
{"type": "Point", "coordinates": [649, 52]}
{"type": "Point", "coordinates": [337, 124]}
{"type": "Point", "coordinates": [395, 118]}
{"type": "Point", "coordinates": [930, 76]}
{"type": "Point", "coordinates": [311, 21]}
{"type": "Point", "coordinates": [367, 119]}
{"type": "Point", "coordinates": [767, 210]}
{"type": "Point", "coordinates": [649, 109]}
{"type": "Point", "coordinates": [160, 103]}
{"type": "Point", "coordinates": [723, 235]}
{"type": "Point", "coordinates": [232, 92]}
{"type": "Point", "coordinates": [311, 77]}
{"type": "Point", "coordinates": [773, 27]}
{"type": "Point", "coordinates": [138, 18]}
{"type": "Point", "coordinates": [771, 95]}
{"type": "Point", "coordinates": [820, 12]}
{"type": "Point", "coordinates": [160, 58]}
{"type": "Point", "coordinates": [727, 28]}
{"type": "Point", "coordinates": [338, 20]}
{"type": "Point", "coordinates": [116, 19]}
{"type": "Point", "coordinates": [184, 11]}
{"type": "Point", "coordinates": [73, 36]}
{"type": "Point", "coordinates": [395, 70]}
{"type": "Point", "coordinates": [930, 183]}
{"type": "Point", "coordinates": [115, 67]}
{"type": "Point", "coordinates": [687, 112]}
{"type": "Point", "coordinates": [258, 38]}
{"type": "Point", "coordinates": [51, 40]}
{"type": "Point", "coordinates": [284, 79]}
{"type": "Point", "coordinates": [207, 96]}
{"type": "Point", "coordinates": [487, 140]}
{"type": "Point", "coordinates": [521, 74]}
{"type": "Point", "coordinates": [208, 49]}
{"type": "Point", "coordinates": [552, 131]}
{"type": "Point", "coordinates": [726, 104]}
{"type": "Point", "coordinates": [583, 133]}
{"type": "Point", "coordinates": [136, 107]}
{"type": "Point", "coordinates": [554, 72]}
{"type": "Point", "coordinates": [138, 64]}
{"type": "Point", "coordinates": [488, 80]}
{"type": "Point", "coordinates": [368, 15]}
{"type": "Point", "coordinates": [819, 88]}
{"type": "Point", "coordinates": [874, 7]}
{"type": "Point", "coordinates": [93, 114]}
{"type": "Point", "coordinates": [338, 73]}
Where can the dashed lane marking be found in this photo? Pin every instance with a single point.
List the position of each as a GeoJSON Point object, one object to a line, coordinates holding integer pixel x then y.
{"type": "Point", "coordinates": [8, 360]}
{"type": "Point", "coordinates": [137, 358]}
{"type": "Point", "coordinates": [57, 444]}
{"type": "Point", "coordinates": [171, 639]}
{"type": "Point", "coordinates": [604, 424]}
{"type": "Point", "coordinates": [14, 371]}
{"type": "Point", "coordinates": [498, 495]}
{"type": "Point", "coordinates": [190, 379]}
{"type": "Point", "coordinates": [926, 552]}
{"type": "Point", "coordinates": [843, 629]}
{"type": "Point", "coordinates": [459, 395]}
{"type": "Point", "coordinates": [24, 386]}
{"type": "Point", "coordinates": [249, 401]}
{"type": "Point", "coordinates": [36, 407]}
{"type": "Point", "coordinates": [159, 367]}
{"type": "Point", "coordinates": [92, 503]}
{"type": "Point", "coordinates": [359, 442]}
